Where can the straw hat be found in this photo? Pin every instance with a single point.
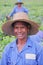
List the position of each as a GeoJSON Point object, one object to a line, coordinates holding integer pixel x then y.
{"type": "Point", "coordinates": [20, 16]}
{"type": "Point", "coordinates": [19, 1]}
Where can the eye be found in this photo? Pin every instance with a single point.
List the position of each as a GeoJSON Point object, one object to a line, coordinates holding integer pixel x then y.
{"type": "Point", "coordinates": [23, 27]}
{"type": "Point", "coordinates": [15, 27]}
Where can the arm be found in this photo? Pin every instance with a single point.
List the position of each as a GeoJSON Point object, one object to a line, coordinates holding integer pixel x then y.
{"type": "Point", "coordinates": [4, 56]}
{"type": "Point", "coordinates": [3, 60]}
{"type": "Point", "coordinates": [40, 58]}
{"type": "Point", "coordinates": [26, 10]}
{"type": "Point", "coordinates": [12, 12]}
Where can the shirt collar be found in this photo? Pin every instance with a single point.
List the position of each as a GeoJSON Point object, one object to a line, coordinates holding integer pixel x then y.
{"type": "Point", "coordinates": [28, 43]}
{"type": "Point", "coordinates": [13, 44]}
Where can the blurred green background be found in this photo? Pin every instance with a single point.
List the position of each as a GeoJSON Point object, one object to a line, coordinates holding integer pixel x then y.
{"type": "Point", "coordinates": [35, 8]}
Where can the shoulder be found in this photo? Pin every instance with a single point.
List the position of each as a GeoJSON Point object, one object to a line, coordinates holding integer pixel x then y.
{"type": "Point", "coordinates": [37, 45]}
{"type": "Point", "coordinates": [15, 7]}
{"type": "Point", "coordinates": [24, 7]}
{"type": "Point", "coordinates": [8, 46]}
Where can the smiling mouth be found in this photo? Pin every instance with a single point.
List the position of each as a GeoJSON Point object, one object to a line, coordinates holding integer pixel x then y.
{"type": "Point", "coordinates": [19, 35]}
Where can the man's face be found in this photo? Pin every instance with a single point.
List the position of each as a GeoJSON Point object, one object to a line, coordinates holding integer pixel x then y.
{"type": "Point", "coordinates": [19, 5]}
{"type": "Point", "coordinates": [20, 30]}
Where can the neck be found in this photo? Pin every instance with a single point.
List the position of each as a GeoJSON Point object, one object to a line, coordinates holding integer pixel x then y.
{"type": "Point", "coordinates": [21, 41]}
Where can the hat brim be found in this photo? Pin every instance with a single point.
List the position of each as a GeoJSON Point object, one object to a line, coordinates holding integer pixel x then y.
{"type": "Point", "coordinates": [8, 29]}
{"type": "Point", "coordinates": [18, 3]}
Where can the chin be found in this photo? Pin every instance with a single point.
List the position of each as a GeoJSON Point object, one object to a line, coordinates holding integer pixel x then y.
{"type": "Point", "coordinates": [20, 37]}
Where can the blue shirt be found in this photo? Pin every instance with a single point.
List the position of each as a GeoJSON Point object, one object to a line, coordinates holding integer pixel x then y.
{"type": "Point", "coordinates": [16, 9]}
{"type": "Point", "coordinates": [38, 37]}
{"type": "Point", "coordinates": [31, 54]}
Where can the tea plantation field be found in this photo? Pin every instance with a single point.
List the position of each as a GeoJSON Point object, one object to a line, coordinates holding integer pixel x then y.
{"type": "Point", "coordinates": [35, 8]}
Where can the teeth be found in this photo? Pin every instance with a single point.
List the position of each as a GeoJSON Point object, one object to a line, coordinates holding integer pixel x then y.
{"type": "Point", "coordinates": [19, 35]}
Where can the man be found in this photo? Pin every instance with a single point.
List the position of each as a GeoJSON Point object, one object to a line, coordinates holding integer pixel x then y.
{"type": "Point", "coordinates": [22, 51]}
{"type": "Point", "coordinates": [17, 8]}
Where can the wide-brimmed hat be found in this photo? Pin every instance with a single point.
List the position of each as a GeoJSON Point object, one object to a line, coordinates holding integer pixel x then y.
{"type": "Point", "coordinates": [23, 17]}
{"type": "Point", "coordinates": [19, 1]}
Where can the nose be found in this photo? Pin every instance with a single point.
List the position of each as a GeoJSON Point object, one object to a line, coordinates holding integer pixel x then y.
{"type": "Point", "coordinates": [19, 30]}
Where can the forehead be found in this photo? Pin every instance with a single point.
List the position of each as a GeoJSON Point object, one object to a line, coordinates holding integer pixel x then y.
{"type": "Point", "coordinates": [19, 4]}
{"type": "Point", "coordinates": [19, 23]}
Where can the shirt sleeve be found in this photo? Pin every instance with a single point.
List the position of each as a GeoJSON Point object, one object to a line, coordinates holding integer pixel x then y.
{"type": "Point", "coordinates": [3, 60]}
{"type": "Point", "coordinates": [40, 58]}
{"type": "Point", "coordinates": [4, 56]}
{"type": "Point", "coordinates": [26, 10]}
{"type": "Point", "coordinates": [12, 12]}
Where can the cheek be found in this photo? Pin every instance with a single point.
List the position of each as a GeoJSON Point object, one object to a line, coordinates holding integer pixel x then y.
{"type": "Point", "coordinates": [24, 30]}
{"type": "Point", "coordinates": [15, 30]}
